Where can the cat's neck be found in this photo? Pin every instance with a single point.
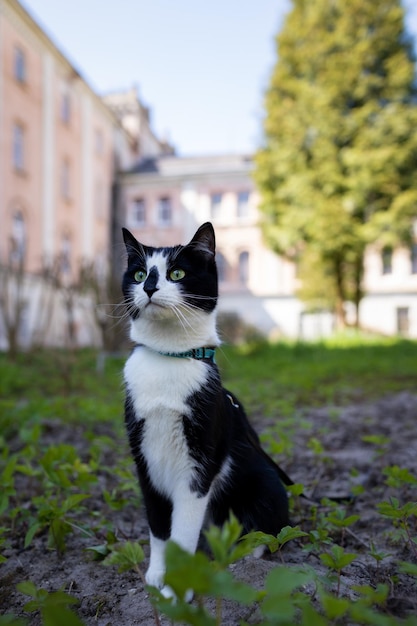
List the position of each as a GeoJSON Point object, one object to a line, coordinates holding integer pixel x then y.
{"type": "Point", "coordinates": [171, 336]}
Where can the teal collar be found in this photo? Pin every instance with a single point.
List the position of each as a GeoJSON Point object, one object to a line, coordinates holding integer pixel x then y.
{"type": "Point", "coordinates": [196, 353]}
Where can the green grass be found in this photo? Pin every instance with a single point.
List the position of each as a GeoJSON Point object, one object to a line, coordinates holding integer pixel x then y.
{"type": "Point", "coordinates": [270, 377]}
{"type": "Point", "coordinates": [310, 373]}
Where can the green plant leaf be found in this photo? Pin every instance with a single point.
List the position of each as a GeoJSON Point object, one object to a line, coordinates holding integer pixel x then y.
{"type": "Point", "coordinates": [197, 572]}
{"type": "Point", "coordinates": [28, 588]}
{"type": "Point", "coordinates": [296, 490]}
{"type": "Point", "coordinates": [398, 476]}
{"type": "Point", "coordinates": [11, 620]}
{"type": "Point", "coordinates": [258, 538]}
{"type": "Point", "coordinates": [288, 533]}
{"type": "Point", "coordinates": [372, 596]}
{"type": "Point", "coordinates": [59, 614]}
{"type": "Point", "coordinates": [73, 501]}
{"type": "Point", "coordinates": [32, 530]}
{"type": "Point", "coordinates": [337, 558]}
{"type": "Point", "coordinates": [180, 611]}
{"type": "Point", "coordinates": [281, 583]}
{"type": "Point", "coordinates": [126, 556]}
{"type": "Point", "coordinates": [334, 608]}
{"type": "Point", "coordinates": [408, 568]}
{"type": "Point", "coordinates": [224, 542]}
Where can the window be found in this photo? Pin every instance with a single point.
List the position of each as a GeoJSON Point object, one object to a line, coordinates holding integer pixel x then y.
{"type": "Point", "coordinates": [413, 258]}
{"type": "Point", "coordinates": [243, 204]}
{"type": "Point", "coordinates": [164, 211]}
{"type": "Point", "coordinates": [66, 108]}
{"type": "Point", "coordinates": [18, 147]}
{"type": "Point", "coordinates": [66, 179]}
{"type": "Point", "coordinates": [387, 260]}
{"type": "Point", "coordinates": [138, 212]}
{"type": "Point", "coordinates": [19, 65]}
{"type": "Point", "coordinates": [221, 266]}
{"type": "Point", "coordinates": [243, 268]}
{"type": "Point", "coordinates": [18, 239]}
{"type": "Point", "coordinates": [215, 205]}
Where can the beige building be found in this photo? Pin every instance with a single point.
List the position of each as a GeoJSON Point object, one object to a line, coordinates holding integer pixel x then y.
{"type": "Point", "coordinates": [60, 148]}
{"type": "Point", "coordinates": [57, 161]}
{"type": "Point", "coordinates": [168, 197]}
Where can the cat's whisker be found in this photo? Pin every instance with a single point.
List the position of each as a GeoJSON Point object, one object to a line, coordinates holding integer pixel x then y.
{"type": "Point", "coordinates": [182, 318]}
{"type": "Point", "coordinates": [110, 310]}
{"type": "Point", "coordinates": [192, 309]}
{"type": "Point", "coordinates": [188, 310]}
{"type": "Point", "coordinates": [200, 297]}
{"type": "Point", "coordinates": [175, 252]}
{"type": "Point", "coordinates": [112, 304]}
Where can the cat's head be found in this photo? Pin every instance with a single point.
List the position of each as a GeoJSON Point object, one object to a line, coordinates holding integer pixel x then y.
{"type": "Point", "coordinates": [177, 284]}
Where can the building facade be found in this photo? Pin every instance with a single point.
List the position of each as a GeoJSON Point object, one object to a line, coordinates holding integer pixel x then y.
{"type": "Point", "coordinates": [61, 146]}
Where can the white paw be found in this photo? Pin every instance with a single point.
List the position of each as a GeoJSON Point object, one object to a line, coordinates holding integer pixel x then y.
{"type": "Point", "coordinates": [189, 595]}
{"type": "Point", "coordinates": [155, 577]}
{"type": "Point", "coordinates": [259, 552]}
{"type": "Point", "coordinates": [168, 593]}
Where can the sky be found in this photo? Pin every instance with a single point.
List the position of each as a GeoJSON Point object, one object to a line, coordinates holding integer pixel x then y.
{"type": "Point", "coordinates": [202, 66]}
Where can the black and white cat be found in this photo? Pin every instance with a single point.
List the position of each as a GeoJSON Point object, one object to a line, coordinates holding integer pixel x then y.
{"type": "Point", "coordinates": [196, 454]}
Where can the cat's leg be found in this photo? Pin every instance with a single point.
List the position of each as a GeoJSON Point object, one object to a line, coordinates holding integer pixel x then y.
{"type": "Point", "coordinates": [255, 494]}
{"type": "Point", "coordinates": [159, 512]}
{"type": "Point", "coordinates": [156, 570]}
{"type": "Point", "coordinates": [187, 520]}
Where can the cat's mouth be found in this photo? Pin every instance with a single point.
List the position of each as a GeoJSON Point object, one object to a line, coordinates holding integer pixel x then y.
{"type": "Point", "coordinates": [155, 304]}
{"type": "Point", "coordinates": [155, 310]}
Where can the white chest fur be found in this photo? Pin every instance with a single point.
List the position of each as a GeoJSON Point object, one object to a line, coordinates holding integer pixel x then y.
{"type": "Point", "coordinates": [159, 387]}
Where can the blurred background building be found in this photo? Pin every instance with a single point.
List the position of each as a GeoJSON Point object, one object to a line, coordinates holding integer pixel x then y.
{"type": "Point", "coordinates": [75, 167]}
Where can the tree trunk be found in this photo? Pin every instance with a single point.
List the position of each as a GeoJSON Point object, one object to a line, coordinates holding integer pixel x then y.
{"type": "Point", "coordinates": [358, 293]}
{"type": "Point", "coordinates": [340, 295]}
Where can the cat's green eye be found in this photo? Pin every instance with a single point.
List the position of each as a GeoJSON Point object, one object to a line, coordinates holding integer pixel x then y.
{"type": "Point", "coordinates": [177, 274]}
{"type": "Point", "coordinates": [140, 276]}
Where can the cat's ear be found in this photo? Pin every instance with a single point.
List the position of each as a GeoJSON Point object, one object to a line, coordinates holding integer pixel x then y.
{"type": "Point", "coordinates": [204, 240]}
{"type": "Point", "coordinates": [133, 247]}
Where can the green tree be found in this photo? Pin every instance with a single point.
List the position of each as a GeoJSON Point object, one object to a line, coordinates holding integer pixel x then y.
{"type": "Point", "coordinates": [337, 171]}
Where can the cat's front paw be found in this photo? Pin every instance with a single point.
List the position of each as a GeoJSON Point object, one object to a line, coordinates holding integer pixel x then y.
{"type": "Point", "coordinates": [259, 552]}
{"type": "Point", "coordinates": [155, 577]}
{"type": "Point", "coordinates": [168, 593]}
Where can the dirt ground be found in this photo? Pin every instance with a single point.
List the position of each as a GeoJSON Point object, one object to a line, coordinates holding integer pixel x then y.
{"type": "Point", "coordinates": [108, 598]}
